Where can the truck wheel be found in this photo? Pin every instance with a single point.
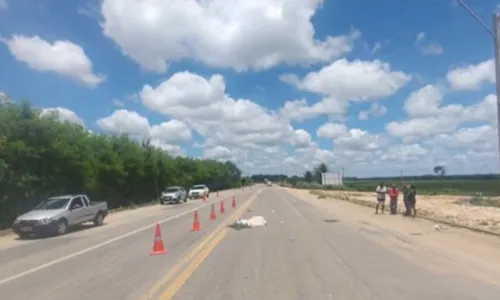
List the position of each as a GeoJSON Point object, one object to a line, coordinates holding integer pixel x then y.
{"type": "Point", "coordinates": [61, 227]}
{"type": "Point", "coordinates": [99, 219]}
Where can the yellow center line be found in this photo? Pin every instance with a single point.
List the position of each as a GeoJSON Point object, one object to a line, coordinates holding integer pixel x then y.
{"type": "Point", "coordinates": [177, 284]}
{"type": "Point", "coordinates": [177, 267]}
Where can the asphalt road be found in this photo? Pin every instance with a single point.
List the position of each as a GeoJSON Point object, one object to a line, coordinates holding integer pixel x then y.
{"type": "Point", "coordinates": [296, 256]}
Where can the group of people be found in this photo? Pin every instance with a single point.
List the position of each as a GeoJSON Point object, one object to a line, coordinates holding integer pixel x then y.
{"type": "Point", "coordinates": [409, 199]}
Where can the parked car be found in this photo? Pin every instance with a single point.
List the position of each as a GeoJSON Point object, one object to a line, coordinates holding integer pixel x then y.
{"type": "Point", "coordinates": [173, 194]}
{"type": "Point", "coordinates": [56, 214]}
{"type": "Point", "coordinates": [197, 191]}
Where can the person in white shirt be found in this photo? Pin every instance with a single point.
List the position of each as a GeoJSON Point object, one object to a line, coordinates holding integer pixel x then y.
{"type": "Point", "coordinates": [381, 192]}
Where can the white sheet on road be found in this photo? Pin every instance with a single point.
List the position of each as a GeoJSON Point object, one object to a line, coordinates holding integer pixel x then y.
{"type": "Point", "coordinates": [254, 221]}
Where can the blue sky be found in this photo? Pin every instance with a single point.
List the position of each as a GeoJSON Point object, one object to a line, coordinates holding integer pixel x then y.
{"type": "Point", "coordinates": [91, 60]}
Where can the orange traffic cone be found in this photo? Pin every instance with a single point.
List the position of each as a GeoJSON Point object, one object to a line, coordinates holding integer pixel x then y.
{"type": "Point", "coordinates": [222, 210]}
{"type": "Point", "coordinates": [212, 213]}
{"type": "Point", "coordinates": [158, 247]}
{"type": "Point", "coordinates": [196, 222]}
{"type": "Point", "coordinates": [233, 204]}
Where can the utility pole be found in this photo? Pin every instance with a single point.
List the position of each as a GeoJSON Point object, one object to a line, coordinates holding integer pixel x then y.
{"type": "Point", "coordinates": [342, 179]}
{"type": "Point", "coordinates": [496, 47]}
{"type": "Point", "coordinates": [497, 72]}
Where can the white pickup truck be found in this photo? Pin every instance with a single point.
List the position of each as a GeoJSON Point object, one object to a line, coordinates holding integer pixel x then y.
{"type": "Point", "coordinates": [56, 214]}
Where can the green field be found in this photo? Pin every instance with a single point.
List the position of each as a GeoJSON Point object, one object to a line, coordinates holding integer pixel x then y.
{"type": "Point", "coordinates": [489, 187]}
{"type": "Point", "coordinates": [455, 187]}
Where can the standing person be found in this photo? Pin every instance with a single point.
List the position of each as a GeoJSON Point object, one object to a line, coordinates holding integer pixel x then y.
{"type": "Point", "coordinates": [412, 200]}
{"type": "Point", "coordinates": [393, 198]}
{"type": "Point", "coordinates": [406, 190]}
{"type": "Point", "coordinates": [381, 192]}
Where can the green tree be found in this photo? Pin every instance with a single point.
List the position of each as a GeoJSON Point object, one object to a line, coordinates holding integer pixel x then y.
{"type": "Point", "coordinates": [441, 172]}
{"type": "Point", "coordinates": [308, 176]}
{"type": "Point", "coordinates": [318, 170]}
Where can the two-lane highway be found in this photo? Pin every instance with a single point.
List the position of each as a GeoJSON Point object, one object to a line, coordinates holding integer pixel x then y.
{"type": "Point", "coordinates": [108, 262]}
{"type": "Point", "coordinates": [297, 255]}
{"type": "Point", "coordinates": [300, 256]}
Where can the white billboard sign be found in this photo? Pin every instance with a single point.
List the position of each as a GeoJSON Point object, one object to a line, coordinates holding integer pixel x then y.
{"type": "Point", "coordinates": [331, 178]}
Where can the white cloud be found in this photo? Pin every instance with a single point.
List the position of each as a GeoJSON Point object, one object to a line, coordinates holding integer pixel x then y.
{"type": "Point", "coordinates": [61, 57]}
{"type": "Point", "coordinates": [236, 34]}
{"type": "Point", "coordinates": [472, 77]}
{"type": "Point", "coordinates": [360, 140]}
{"type": "Point", "coordinates": [479, 138]}
{"type": "Point", "coordinates": [446, 119]}
{"type": "Point", "coordinates": [332, 131]}
{"type": "Point", "coordinates": [166, 135]}
{"type": "Point", "coordinates": [403, 153]}
{"type": "Point", "coordinates": [301, 139]}
{"type": "Point", "coordinates": [203, 104]}
{"type": "Point", "coordinates": [123, 121]}
{"type": "Point", "coordinates": [424, 101]}
{"type": "Point", "coordinates": [376, 110]}
{"type": "Point", "coordinates": [427, 117]}
{"type": "Point", "coordinates": [62, 114]}
{"type": "Point", "coordinates": [218, 152]}
{"type": "Point", "coordinates": [340, 82]}
{"type": "Point", "coordinates": [171, 132]}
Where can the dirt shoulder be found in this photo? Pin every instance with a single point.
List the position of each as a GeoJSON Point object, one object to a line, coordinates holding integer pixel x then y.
{"type": "Point", "coordinates": [456, 210]}
{"type": "Point", "coordinates": [467, 252]}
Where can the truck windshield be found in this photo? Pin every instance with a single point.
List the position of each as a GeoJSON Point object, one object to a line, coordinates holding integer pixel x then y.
{"type": "Point", "coordinates": [198, 187]}
{"type": "Point", "coordinates": [171, 190]}
{"type": "Point", "coordinates": [53, 203]}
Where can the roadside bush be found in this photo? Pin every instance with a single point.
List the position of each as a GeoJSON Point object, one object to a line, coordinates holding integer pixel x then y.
{"type": "Point", "coordinates": [42, 157]}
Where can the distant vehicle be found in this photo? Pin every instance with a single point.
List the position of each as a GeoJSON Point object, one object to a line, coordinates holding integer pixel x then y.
{"type": "Point", "coordinates": [56, 214]}
{"type": "Point", "coordinates": [173, 194]}
{"type": "Point", "coordinates": [197, 191]}
{"type": "Point", "coordinates": [269, 183]}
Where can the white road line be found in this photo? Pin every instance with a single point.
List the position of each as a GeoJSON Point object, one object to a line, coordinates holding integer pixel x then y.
{"type": "Point", "coordinates": [86, 250]}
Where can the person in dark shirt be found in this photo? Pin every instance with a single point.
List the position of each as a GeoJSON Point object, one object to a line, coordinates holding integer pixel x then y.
{"type": "Point", "coordinates": [406, 190]}
{"type": "Point", "coordinates": [412, 200]}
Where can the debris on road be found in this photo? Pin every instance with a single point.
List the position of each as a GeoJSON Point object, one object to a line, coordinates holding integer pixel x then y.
{"type": "Point", "coordinates": [255, 221]}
